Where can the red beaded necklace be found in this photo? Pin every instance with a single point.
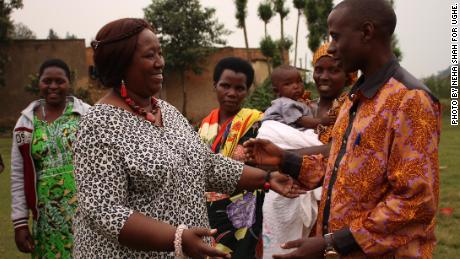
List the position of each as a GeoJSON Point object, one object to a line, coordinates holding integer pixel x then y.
{"type": "Point", "coordinates": [148, 115]}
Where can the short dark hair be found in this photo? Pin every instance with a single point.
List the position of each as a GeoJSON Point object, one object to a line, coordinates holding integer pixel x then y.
{"type": "Point", "coordinates": [237, 65]}
{"type": "Point", "coordinates": [114, 48]}
{"type": "Point", "coordinates": [380, 12]}
{"type": "Point", "coordinates": [54, 62]}
{"type": "Point", "coordinates": [280, 71]}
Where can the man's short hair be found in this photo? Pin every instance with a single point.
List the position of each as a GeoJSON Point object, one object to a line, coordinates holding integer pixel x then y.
{"type": "Point", "coordinates": [379, 12]}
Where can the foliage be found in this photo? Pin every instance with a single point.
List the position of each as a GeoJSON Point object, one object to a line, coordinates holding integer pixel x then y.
{"type": "Point", "coordinates": [52, 35]}
{"type": "Point", "coordinates": [262, 96]}
{"type": "Point", "coordinates": [285, 44]}
{"type": "Point", "coordinates": [299, 5]}
{"type": "Point", "coordinates": [278, 7]}
{"type": "Point", "coordinates": [270, 50]}
{"type": "Point", "coordinates": [69, 36]}
{"type": "Point", "coordinates": [316, 12]}
{"type": "Point", "coordinates": [439, 84]}
{"type": "Point", "coordinates": [187, 33]}
{"type": "Point", "coordinates": [265, 13]}
{"type": "Point", "coordinates": [268, 47]}
{"type": "Point", "coordinates": [241, 13]}
{"type": "Point", "coordinates": [22, 32]}
{"type": "Point", "coordinates": [396, 50]}
{"type": "Point", "coordinates": [6, 26]}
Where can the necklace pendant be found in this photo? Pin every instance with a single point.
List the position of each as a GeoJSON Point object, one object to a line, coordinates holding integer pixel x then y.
{"type": "Point", "coordinates": [150, 117]}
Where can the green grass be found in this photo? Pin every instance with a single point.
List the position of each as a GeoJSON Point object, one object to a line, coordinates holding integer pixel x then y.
{"type": "Point", "coordinates": [7, 246]}
{"type": "Point", "coordinates": [447, 229]}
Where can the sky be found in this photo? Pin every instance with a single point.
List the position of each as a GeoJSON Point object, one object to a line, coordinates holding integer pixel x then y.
{"type": "Point", "coordinates": [423, 27]}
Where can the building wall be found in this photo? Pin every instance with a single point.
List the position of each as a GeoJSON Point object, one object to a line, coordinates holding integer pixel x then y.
{"type": "Point", "coordinates": [25, 58]}
{"type": "Point", "coordinates": [27, 55]}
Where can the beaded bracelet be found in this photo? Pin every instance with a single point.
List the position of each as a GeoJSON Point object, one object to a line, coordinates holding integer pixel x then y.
{"type": "Point", "coordinates": [178, 241]}
{"type": "Point", "coordinates": [267, 185]}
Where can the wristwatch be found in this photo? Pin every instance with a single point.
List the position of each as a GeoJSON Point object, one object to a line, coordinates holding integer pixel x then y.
{"type": "Point", "coordinates": [329, 251]}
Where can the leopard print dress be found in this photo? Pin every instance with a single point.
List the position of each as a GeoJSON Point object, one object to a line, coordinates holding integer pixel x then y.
{"type": "Point", "coordinates": [124, 163]}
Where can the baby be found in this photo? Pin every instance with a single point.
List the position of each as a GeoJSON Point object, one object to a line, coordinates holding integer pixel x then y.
{"type": "Point", "coordinates": [287, 84]}
{"type": "Point", "coordinates": [289, 124]}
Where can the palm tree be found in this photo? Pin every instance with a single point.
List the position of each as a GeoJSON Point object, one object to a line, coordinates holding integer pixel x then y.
{"type": "Point", "coordinates": [299, 5]}
{"type": "Point", "coordinates": [268, 49]}
{"type": "Point", "coordinates": [283, 12]}
{"type": "Point", "coordinates": [241, 13]}
{"type": "Point", "coordinates": [265, 13]}
{"type": "Point", "coordinates": [316, 12]}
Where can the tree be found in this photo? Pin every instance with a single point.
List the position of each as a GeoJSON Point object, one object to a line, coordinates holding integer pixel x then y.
{"type": "Point", "coordinates": [6, 26]}
{"type": "Point", "coordinates": [265, 13]}
{"type": "Point", "coordinates": [394, 42]}
{"type": "Point", "coordinates": [262, 96]}
{"type": "Point", "coordinates": [269, 49]}
{"type": "Point", "coordinates": [299, 5]}
{"type": "Point", "coordinates": [187, 32]}
{"type": "Point", "coordinates": [278, 6]}
{"type": "Point", "coordinates": [241, 13]}
{"type": "Point", "coordinates": [52, 35]}
{"type": "Point", "coordinates": [317, 12]}
{"type": "Point", "coordinates": [69, 36]}
{"type": "Point", "coordinates": [439, 84]}
{"type": "Point", "coordinates": [21, 32]}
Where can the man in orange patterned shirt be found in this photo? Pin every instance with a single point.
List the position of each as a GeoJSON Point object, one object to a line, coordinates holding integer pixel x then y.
{"type": "Point", "coordinates": [381, 179]}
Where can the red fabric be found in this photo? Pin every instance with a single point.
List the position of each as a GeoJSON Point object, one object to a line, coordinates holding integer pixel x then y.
{"type": "Point", "coordinates": [29, 179]}
{"type": "Point", "coordinates": [220, 134]}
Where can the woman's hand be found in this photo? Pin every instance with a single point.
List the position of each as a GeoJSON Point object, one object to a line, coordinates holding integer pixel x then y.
{"type": "Point", "coordinates": [286, 186]}
{"type": "Point", "coordinates": [263, 152]}
{"type": "Point", "coordinates": [24, 240]}
{"type": "Point", "coordinates": [194, 246]}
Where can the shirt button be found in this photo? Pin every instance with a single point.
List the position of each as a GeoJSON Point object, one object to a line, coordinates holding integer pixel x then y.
{"type": "Point", "coordinates": [335, 168]}
{"type": "Point", "coordinates": [344, 141]}
{"type": "Point", "coordinates": [354, 113]}
{"type": "Point", "coordinates": [328, 197]}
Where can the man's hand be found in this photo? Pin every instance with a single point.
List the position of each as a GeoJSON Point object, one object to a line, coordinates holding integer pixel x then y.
{"type": "Point", "coordinates": [286, 186]}
{"type": "Point", "coordinates": [263, 152]}
{"type": "Point", "coordinates": [194, 246]}
{"type": "Point", "coordinates": [24, 240]}
{"type": "Point", "coordinates": [328, 120]}
{"type": "Point", "coordinates": [306, 248]}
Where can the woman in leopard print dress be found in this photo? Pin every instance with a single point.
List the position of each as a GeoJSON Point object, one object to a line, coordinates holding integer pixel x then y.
{"type": "Point", "coordinates": [141, 170]}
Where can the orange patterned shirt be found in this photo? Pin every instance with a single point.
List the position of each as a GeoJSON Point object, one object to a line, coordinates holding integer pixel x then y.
{"type": "Point", "coordinates": [381, 180]}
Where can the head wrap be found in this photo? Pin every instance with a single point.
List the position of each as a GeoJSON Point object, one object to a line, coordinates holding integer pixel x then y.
{"type": "Point", "coordinates": [322, 51]}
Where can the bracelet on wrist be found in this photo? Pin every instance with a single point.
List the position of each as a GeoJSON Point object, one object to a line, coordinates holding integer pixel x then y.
{"type": "Point", "coordinates": [178, 252]}
{"type": "Point", "coordinates": [267, 184]}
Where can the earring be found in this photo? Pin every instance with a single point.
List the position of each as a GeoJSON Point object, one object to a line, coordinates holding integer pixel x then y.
{"type": "Point", "coordinates": [123, 91]}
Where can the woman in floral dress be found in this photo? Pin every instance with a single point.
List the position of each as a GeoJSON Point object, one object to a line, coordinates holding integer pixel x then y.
{"type": "Point", "coordinates": [42, 177]}
{"type": "Point", "coordinates": [237, 218]}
